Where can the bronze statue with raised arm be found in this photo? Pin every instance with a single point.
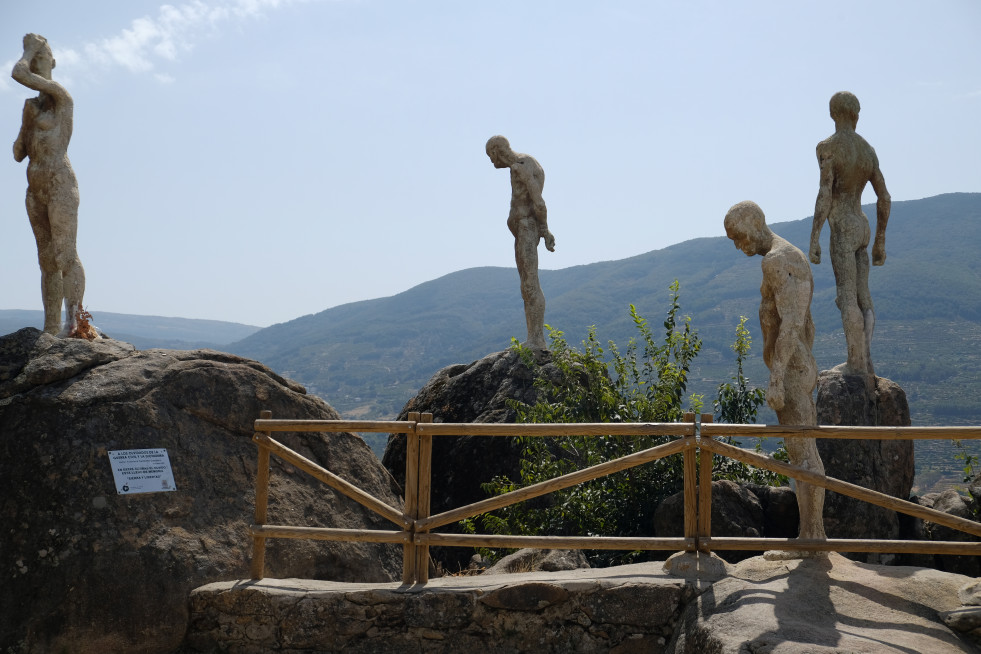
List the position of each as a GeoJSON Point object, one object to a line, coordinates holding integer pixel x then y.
{"type": "Point", "coordinates": [52, 190]}
{"type": "Point", "coordinates": [847, 164]}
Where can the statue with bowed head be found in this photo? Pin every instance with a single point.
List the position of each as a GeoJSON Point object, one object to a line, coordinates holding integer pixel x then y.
{"type": "Point", "coordinates": [788, 335]}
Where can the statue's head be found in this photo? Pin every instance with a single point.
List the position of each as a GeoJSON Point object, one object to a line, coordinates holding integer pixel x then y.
{"type": "Point", "coordinates": [499, 151]}
{"type": "Point", "coordinates": [746, 227]}
{"type": "Point", "coordinates": [844, 108]}
{"type": "Point", "coordinates": [43, 60]}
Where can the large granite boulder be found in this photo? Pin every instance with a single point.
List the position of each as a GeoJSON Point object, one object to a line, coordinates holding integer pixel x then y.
{"type": "Point", "coordinates": [91, 570]}
{"type": "Point", "coordinates": [823, 606]}
{"type": "Point", "coordinates": [474, 392]}
{"type": "Point", "coordinates": [739, 510]}
{"type": "Point", "coordinates": [952, 503]}
{"type": "Point", "coordinates": [884, 466]}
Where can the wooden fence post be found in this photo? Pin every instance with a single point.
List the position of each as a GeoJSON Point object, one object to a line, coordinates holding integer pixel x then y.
{"type": "Point", "coordinates": [691, 487]}
{"type": "Point", "coordinates": [411, 498]}
{"type": "Point", "coordinates": [704, 490]}
{"type": "Point", "coordinates": [261, 502]}
{"type": "Point", "coordinates": [425, 491]}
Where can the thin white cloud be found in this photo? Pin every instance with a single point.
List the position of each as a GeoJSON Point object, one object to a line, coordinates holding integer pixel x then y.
{"type": "Point", "coordinates": [5, 83]}
{"type": "Point", "coordinates": [150, 41]}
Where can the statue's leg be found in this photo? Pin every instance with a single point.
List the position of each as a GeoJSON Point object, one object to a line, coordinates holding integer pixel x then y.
{"type": "Point", "coordinates": [843, 262]}
{"type": "Point", "coordinates": [799, 409]}
{"type": "Point", "coordinates": [810, 499]}
{"type": "Point", "coordinates": [63, 217]}
{"type": "Point", "coordinates": [526, 257]}
{"type": "Point", "coordinates": [864, 297]}
{"type": "Point", "coordinates": [51, 283]}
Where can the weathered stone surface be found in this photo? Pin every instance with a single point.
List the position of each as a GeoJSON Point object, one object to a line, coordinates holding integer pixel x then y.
{"type": "Point", "coordinates": [817, 606]}
{"type": "Point", "coordinates": [952, 503]}
{"type": "Point", "coordinates": [788, 336]}
{"type": "Point", "coordinates": [829, 606]}
{"type": "Point", "coordinates": [737, 511]}
{"type": "Point", "coordinates": [475, 392]}
{"type": "Point", "coordinates": [625, 609]}
{"type": "Point", "coordinates": [847, 164]}
{"type": "Point", "coordinates": [530, 560]}
{"type": "Point", "coordinates": [966, 618]}
{"type": "Point", "coordinates": [884, 466]}
{"type": "Point", "coordinates": [86, 565]}
{"type": "Point", "coordinates": [527, 597]}
{"type": "Point", "coordinates": [528, 222]}
{"type": "Point", "coordinates": [970, 594]}
{"type": "Point", "coordinates": [52, 190]}
{"type": "Point", "coordinates": [697, 566]}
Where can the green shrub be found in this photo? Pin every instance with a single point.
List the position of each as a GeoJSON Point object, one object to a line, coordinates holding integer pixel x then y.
{"type": "Point", "coordinates": [646, 382]}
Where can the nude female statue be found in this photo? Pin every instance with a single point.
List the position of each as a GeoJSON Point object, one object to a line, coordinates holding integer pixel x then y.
{"type": "Point", "coordinates": [52, 190]}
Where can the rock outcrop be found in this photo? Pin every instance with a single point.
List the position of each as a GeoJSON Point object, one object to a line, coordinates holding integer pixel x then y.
{"type": "Point", "coordinates": [738, 510]}
{"type": "Point", "coordinates": [532, 560]}
{"type": "Point", "coordinates": [802, 606]}
{"type": "Point", "coordinates": [952, 503]}
{"type": "Point", "coordinates": [823, 606]}
{"type": "Point", "coordinates": [475, 392]}
{"type": "Point", "coordinates": [884, 466]}
{"type": "Point", "coordinates": [89, 570]}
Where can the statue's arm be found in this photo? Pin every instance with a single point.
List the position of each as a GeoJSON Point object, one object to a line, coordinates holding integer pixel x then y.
{"type": "Point", "coordinates": [822, 206]}
{"type": "Point", "coordinates": [22, 74]}
{"type": "Point", "coordinates": [535, 185]}
{"type": "Point", "coordinates": [20, 145]}
{"type": "Point", "coordinates": [883, 205]}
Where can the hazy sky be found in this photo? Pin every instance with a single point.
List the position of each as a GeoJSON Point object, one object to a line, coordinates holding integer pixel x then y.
{"type": "Point", "coordinates": [258, 160]}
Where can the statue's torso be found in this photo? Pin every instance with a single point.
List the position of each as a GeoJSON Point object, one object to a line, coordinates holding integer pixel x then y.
{"type": "Point", "coordinates": [47, 133]}
{"type": "Point", "coordinates": [852, 161]}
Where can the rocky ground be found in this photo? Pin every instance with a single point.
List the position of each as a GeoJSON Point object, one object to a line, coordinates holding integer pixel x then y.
{"type": "Point", "coordinates": [813, 606]}
{"type": "Point", "coordinates": [89, 569]}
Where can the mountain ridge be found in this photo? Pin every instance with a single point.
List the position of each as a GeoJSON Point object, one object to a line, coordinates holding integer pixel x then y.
{"type": "Point", "coordinates": [368, 357]}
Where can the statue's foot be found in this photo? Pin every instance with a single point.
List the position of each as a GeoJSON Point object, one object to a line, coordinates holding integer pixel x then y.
{"type": "Point", "coordinates": [535, 345]}
{"type": "Point", "coordinates": [845, 369]}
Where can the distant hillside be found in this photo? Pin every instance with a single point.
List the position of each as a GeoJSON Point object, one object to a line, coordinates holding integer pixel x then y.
{"type": "Point", "coordinates": [145, 332]}
{"type": "Point", "coordinates": [367, 358]}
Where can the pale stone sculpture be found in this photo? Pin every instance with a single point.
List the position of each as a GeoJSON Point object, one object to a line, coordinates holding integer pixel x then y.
{"type": "Point", "coordinates": [52, 191]}
{"type": "Point", "coordinates": [528, 222]}
{"type": "Point", "coordinates": [847, 163]}
{"type": "Point", "coordinates": [788, 335]}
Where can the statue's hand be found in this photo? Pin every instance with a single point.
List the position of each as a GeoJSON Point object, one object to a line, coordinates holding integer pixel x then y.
{"type": "Point", "coordinates": [31, 46]}
{"type": "Point", "coordinates": [878, 253]}
{"type": "Point", "coordinates": [549, 241]}
{"type": "Point", "coordinates": [815, 253]}
{"type": "Point", "coordinates": [774, 395]}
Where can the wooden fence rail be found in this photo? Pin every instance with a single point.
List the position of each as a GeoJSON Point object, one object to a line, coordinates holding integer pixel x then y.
{"type": "Point", "coordinates": [694, 437]}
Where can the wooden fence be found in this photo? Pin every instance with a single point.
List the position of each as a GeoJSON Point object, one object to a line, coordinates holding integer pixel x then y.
{"type": "Point", "coordinates": [415, 524]}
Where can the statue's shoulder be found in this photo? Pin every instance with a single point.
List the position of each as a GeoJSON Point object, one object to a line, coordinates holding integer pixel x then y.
{"type": "Point", "coordinates": [527, 166]}
{"type": "Point", "coordinates": [785, 257]}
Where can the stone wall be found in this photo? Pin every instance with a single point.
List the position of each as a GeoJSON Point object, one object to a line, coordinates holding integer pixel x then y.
{"type": "Point", "coordinates": [563, 613]}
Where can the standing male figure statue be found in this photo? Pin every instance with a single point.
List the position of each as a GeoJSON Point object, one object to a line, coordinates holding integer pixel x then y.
{"type": "Point", "coordinates": [528, 221]}
{"type": "Point", "coordinates": [847, 163]}
{"type": "Point", "coordinates": [788, 335]}
{"type": "Point", "coordinates": [52, 191]}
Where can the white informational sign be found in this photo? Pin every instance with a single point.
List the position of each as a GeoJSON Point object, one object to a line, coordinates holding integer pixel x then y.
{"type": "Point", "coordinates": [142, 471]}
